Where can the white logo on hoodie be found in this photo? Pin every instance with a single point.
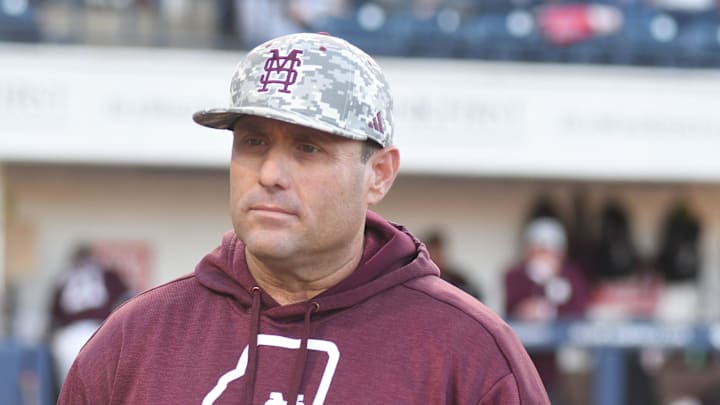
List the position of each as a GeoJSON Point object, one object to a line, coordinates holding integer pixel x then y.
{"type": "Point", "coordinates": [286, 343]}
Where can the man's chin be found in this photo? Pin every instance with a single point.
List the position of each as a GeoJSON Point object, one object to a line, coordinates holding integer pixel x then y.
{"type": "Point", "coordinates": [269, 248]}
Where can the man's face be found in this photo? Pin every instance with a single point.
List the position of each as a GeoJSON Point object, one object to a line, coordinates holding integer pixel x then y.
{"type": "Point", "coordinates": [295, 192]}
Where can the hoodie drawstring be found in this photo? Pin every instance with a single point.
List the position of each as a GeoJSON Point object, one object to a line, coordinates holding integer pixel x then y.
{"type": "Point", "coordinates": [299, 369]}
{"type": "Point", "coordinates": [252, 346]}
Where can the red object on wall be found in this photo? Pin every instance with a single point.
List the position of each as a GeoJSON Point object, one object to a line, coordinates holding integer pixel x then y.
{"type": "Point", "coordinates": [131, 259]}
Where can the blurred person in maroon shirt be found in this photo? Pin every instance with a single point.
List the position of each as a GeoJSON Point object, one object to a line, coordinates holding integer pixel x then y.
{"type": "Point", "coordinates": [85, 294]}
{"type": "Point", "coordinates": [545, 286]}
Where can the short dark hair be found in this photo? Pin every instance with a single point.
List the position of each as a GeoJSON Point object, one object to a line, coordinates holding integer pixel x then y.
{"type": "Point", "coordinates": [368, 149]}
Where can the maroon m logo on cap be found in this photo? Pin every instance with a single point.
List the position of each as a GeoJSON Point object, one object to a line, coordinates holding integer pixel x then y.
{"type": "Point", "coordinates": [280, 70]}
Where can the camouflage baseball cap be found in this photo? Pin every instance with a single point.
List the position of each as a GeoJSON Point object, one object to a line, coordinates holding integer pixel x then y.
{"type": "Point", "coordinates": [313, 80]}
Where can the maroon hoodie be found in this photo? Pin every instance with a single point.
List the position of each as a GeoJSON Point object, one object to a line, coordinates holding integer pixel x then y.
{"type": "Point", "coordinates": [391, 333]}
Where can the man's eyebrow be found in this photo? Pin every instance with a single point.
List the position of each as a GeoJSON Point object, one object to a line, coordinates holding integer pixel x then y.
{"type": "Point", "coordinates": [248, 126]}
{"type": "Point", "coordinates": [316, 135]}
{"type": "Point", "coordinates": [308, 136]}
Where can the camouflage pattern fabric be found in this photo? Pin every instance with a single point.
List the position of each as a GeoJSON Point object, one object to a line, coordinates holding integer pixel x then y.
{"type": "Point", "coordinates": [314, 80]}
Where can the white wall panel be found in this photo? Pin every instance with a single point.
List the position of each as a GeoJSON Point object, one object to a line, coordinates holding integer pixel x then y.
{"type": "Point", "coordinates": [79, 104]}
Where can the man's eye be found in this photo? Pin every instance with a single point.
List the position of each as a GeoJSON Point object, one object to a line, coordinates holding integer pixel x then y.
{"type": "Point", "coordinates": [307, 148]}
{"type": "Point", "coordinates": [253, 141]}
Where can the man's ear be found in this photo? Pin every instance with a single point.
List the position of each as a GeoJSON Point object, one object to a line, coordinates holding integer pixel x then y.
{"type": "Point", "coordinates": [384, 165]}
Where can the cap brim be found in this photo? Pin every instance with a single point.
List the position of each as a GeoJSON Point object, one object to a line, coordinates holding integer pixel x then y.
{"type": "Point", "coordinates": [225, 118]}
{"type": "Point", "coordinates": [218, 118]}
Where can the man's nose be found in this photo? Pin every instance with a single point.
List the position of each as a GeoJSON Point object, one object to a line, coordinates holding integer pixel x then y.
{"type": "Point", "coordinates": [274, 171]}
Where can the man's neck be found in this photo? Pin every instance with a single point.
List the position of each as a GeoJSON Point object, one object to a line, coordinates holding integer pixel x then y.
{"type": "Point", "coordinates": [293, 282]}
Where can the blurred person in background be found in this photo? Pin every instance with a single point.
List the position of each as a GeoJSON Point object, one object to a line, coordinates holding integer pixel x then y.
{"type": "Point", "coordinates": [544, 286]}
{"type": "Point", "coordinates": [436, 246]}
{"type": "Point", "coordinates": [85, 294]}
{"type": "Point", "coordinates": [312, 298]}
{"type": "Point", "coordinates": [260, 20]}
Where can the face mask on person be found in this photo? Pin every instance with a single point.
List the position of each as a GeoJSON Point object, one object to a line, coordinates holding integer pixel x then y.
{"type": "Point", "coordinates": [542, 266]}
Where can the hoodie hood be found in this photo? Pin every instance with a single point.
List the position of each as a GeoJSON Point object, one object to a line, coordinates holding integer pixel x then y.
{"type": "Point", "coordinates": [392, 256]}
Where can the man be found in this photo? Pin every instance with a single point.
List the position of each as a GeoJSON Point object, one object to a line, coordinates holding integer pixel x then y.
{"type": "Point", "coordinates": [545, 286]}
{"type": "Point", "coordinates": [311, 299]}
{"type": "Point", "coordinates": [84, 296]}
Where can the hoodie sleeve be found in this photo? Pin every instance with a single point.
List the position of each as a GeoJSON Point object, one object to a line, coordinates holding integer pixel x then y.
{"type": "Point", "coordinates": [73, 389]}
{"type": "Point", "coordinates": [90, 378]}
{"type": "Point", "coordinates": [504, 391]}
{"type": "Point", "coordinates": [93, 374]}
{"type": "Point", "coordinates": [522, 386]}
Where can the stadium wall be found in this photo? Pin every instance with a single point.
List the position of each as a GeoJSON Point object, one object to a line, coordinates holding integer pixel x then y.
{"type": "Point", "coordinates": [98, 145]}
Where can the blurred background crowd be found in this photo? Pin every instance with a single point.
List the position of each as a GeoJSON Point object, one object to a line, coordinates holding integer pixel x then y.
{"type": "Point", "coordinates": [561, 194]}
{"type": "Point", "coordinates": [626, 32]}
